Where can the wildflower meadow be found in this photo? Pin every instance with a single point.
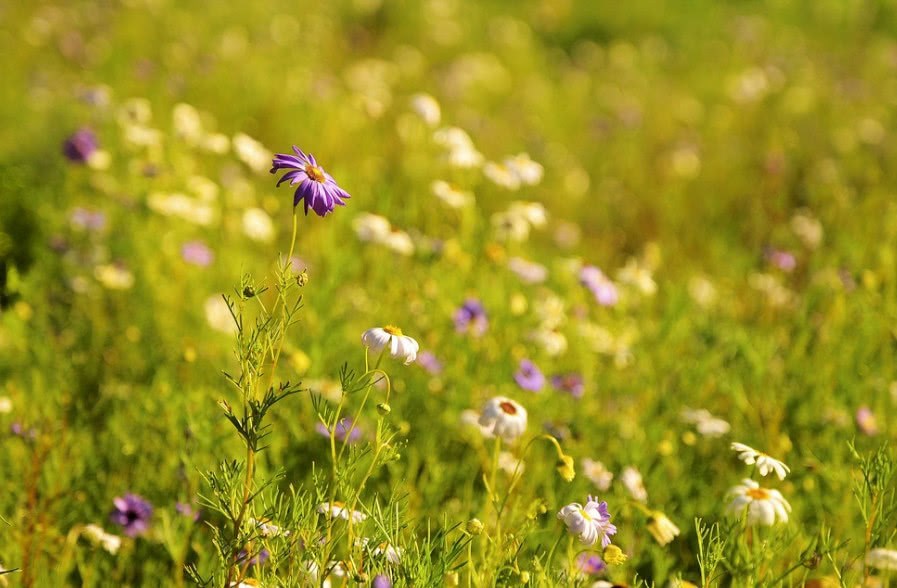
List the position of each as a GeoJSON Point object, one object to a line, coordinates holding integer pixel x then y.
{"type": "Point", "coordinates": [436, 293]}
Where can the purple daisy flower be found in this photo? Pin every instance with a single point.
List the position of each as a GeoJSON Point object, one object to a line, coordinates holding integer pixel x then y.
{"type": "Point", "coordinates": [604, 290]}
{"type": "Point", "coordinates": [590, 564]}
{"type": "Point", "coordinates": [381, 581]}
{"type": "Point", "coordinates": [186, 510]}
{"type": "Point", "coordinates": [197, 253]}
{"type": "Point", "coordinates": [80, 145]}
{"type": "Point", "coordinates": [342, 430]}
{"type": "Point", "coordinates": [471, 317]}
{"type": "Point", "coordinates": [572, 383]}
{"type": "Point", "coordinates": [319, 190]}
{"type": "Point", "coordinates": [529, 377]}
{"type": "Point", "coordinates": [260, 558]}
{"type": "Point", "coordinates": [783, 260]}
{"type": "Point", "coordinates": [133, 513]}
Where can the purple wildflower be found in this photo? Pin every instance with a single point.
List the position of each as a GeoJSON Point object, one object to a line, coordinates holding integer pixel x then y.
{"type": "Point", "coordinates": [319, 190]}
{"type": "Point", "coordinates": [381, 581]}
{"type": "Point", "coordinates": [429, 362]}
{"type": "Point", "coordinates": [259, 558]}
{"type": "Point", "coordinates": [342, 430]}
{"type": "Point", "coordinates": [133, 513]}
{"type": "Point", "coordinates": [80, 145]}
{"type": "Point", "coordinates": [604, 290]}
{"type": "Point", "coordinates": [471, 317]}
{"type": "Point", "coordinates": [572, 383]}
{"type": "Point", "coordinates": [590, 564]}
{"type": "Point", "coordinates": [783, 260]}
{"type": "Point", "coordinates": [529, 377]}
{"type": "Point", "coordinates": [86, 219]}
{"type": "Point", "coordinates": [866, 422]}
{"type": "Point", "coordinates": [196, 253]}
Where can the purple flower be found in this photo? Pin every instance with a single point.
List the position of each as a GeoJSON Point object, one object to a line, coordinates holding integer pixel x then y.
{"type": "Point", "coordinates": [84, 218]}
{"type": "Point", "coordinates": [604, 290]}
{"type": "Point", "coordinates": [590, 564]}
{"type": "Point", "coordinates": [319, 190]}
{"type": "Point", "coordinates": [529, 377]}
{"type": "Point", "coordinates": [429, 362]}
{"type": "Point", "coordinates": [197, 253]}
{"type": "Point", "coordinates": [572, 383]}
{"type": "Point", "coordinates": [381, 581]}
{"type": "Point", "coordinates": [80, 145]}
{"type": "Point", "coordinates": [133, 513]}
{"type": "Point", "coordinates": [342, 430]}
{"type": "Point", "coordinates": [783, 260]}
{"type": "Point", "coordinates": [187, 510]}
{"type": "Point", "coordinates": [866, 421]}
{"type": "Point", "coordinates": [471, 317]}
{"type": "Point", "coordinates": [260, 558]}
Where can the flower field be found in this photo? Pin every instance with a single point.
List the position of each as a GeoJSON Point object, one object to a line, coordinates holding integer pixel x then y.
{"type": "Point", "coordinates": [448, 293]}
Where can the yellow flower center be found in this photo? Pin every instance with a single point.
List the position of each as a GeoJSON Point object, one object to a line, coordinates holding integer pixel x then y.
{"type": "Point", "coordinates": [392, 330]}
{"type": "Point", "coordinates": [758, 493]}
{"type": "Point", "coordinates": [585, 514]}
{"type": "Point", "coordinates": [315, 173]}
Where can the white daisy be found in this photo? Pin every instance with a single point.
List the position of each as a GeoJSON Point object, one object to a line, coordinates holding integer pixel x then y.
{"type": "Point", "coordinates": [426, 107]}
{"type": "Point", "coordinates": [503, 417]}
{"type": "Point", "coordinates": [589, 523]}
{"type": "Point", "coordinates": [765, 463]}
{"type": "Point", "coordinates": [400, 346]}
{"type": "Point", "coordinates": [764, 506]}
{"type": "Point", "coordinates": [597, 473]}
{"type": "Point", "coordinates": [882, 559]}
{"type": "Point", "coordinates": [450, 195]}
{"type": "Point", "coordinates": [338, 509]}
{"type": "Point", "coordinates": [632, 480]}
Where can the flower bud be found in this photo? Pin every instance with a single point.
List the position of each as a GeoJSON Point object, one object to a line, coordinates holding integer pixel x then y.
{"type": "Point", "coordinates": [566, 469]}
{"type": "Point", "coordinates": [302, 278]}
{"type": "Point", "coordinates": [524, 577]}
{"type": "Point", "coordinates": [614, 556]}
{"type": "Point", "coordinates": [384, 409]}
{"type": "Point", "coordinates": [248, 292]}
{"type": "Point", "coordinates": [474, 526]}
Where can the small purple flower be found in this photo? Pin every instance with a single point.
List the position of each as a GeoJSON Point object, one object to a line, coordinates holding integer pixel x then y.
{"type": "Point", "coordinates": [590, 564]}
{"type": "Point", "coordinates": [80, 145]}
{"type": "Point", "coordinates": [604, 290]}
{"type": "Point", "coordinates": [529, 377]}
{"type": "Point", "coordinates": [342, 430]}
{"type": "Point", "coordinates": [381, 581]}
{"type": "Point", "coordinates": [196, 253]}
{"type": "Point", "coordinates": [133, 513]}
{"type": "Point", "coordinates": [86, 219]}
{"type": "Point", "coordinates": [471, 317]}
{"type": "Point", "coordinates": [186, 510]}
{"type": "Point", "coordinates": [429, 362]}
{"type": "Point", "coordinates": [319, 190]}
{"type": "Point", "coordinates": [572, 383]}
{"type": "Point", "coordinates": [783, 260]}
{"type": "Point", "coordinates": [260, 558]}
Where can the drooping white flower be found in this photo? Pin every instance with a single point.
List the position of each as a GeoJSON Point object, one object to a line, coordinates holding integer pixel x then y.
{"type": "Point", "coordinates": [632, 480]}
{"type": "Point", "coordinates": [706, 424]}
{"type": "Point", "coordinates": [765, 463]}
{"type": "Point", "coordinates": [764, 506]}
{"type": "Point", "coordinates": [339, 510]}
{"type": "Point", "coordinates": [882, 559]}
{"type": "Point", "coordinates": [589, 523]}
{"type": "Point", "coordinates": [504, 418]}
{"type": "Point", "coordinates": [400, 346]}
{"type": "Point", "coordinates": [662, 528]}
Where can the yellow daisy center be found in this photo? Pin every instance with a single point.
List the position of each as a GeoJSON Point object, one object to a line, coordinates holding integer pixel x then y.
{"type": "Point", "coordinates": [392, 330]}
{"type": "Point", "coordinates": [315, 173]}
{"type": "Point", "coordinates": [758, 493]}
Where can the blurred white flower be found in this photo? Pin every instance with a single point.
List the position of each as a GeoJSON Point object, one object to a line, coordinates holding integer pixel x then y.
{"type": "Point", "coordinates": [371, 227]}
{"type": "Point", "coordinates": [252, 153]}
{"type": "Point", "coordinates": [501, 175]}
{"type": "Point", "coordinates": [339, 510]}
{"type": "Point", "coordinates": [637, 275]}
{"type": "Point", "coordinates": [187, 122]}
{"type": "Point", "coordinates": [528, 172]}
{"type": "Point", "coordinates": [257, 225]}
{"type": "Point", "coordinates": [765, 463]}
{"type": "Point", "coordinates": [5, 405]}
{"type": "Point", "coordinates": [528, 271]}
{"type": "Point", "coordinates": [218, 315]}
{"type": "Point", "coordinates": [393, 554]}
{"type": "Point", "coordinates": [400, 242]}
{"type": "Point", "coordinates": [552, 342]}
{"type": "Point", "coordinates": [181, 206]}
{"type": "Point", "coordinates": [702, 291]}
{"type": "Point", "coordinates": [764, 506]}
{"type": "Point", "coordinates": [503, 417]}
{"type": "Point", "coordinates": [266, 528]}
{"type": "Point", "coordinates": [426, 107]}
{"type": "Point", "coordinates": [706, 424]}
{"type": "Point", "coordinates": [461, 152]}
{"type": "Point", "coordinates": [216, 143]}
{"type": "Point", "coordinates": [632, 480]}
{"type": "Point", "coordinates": [400, 346]}
{"type": "Point", "coordinates": [882, 559]}
{"type": "Point", "coordinates": [508, 463]}
{"type": "Point", "coordinates": [450, 195]}
{"type": "Point", "coordinates": [98, 536]}
{"type": "Point", "coordinates": [807, 228]}
{"type": "Point", "coordinates": [596, 472]}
